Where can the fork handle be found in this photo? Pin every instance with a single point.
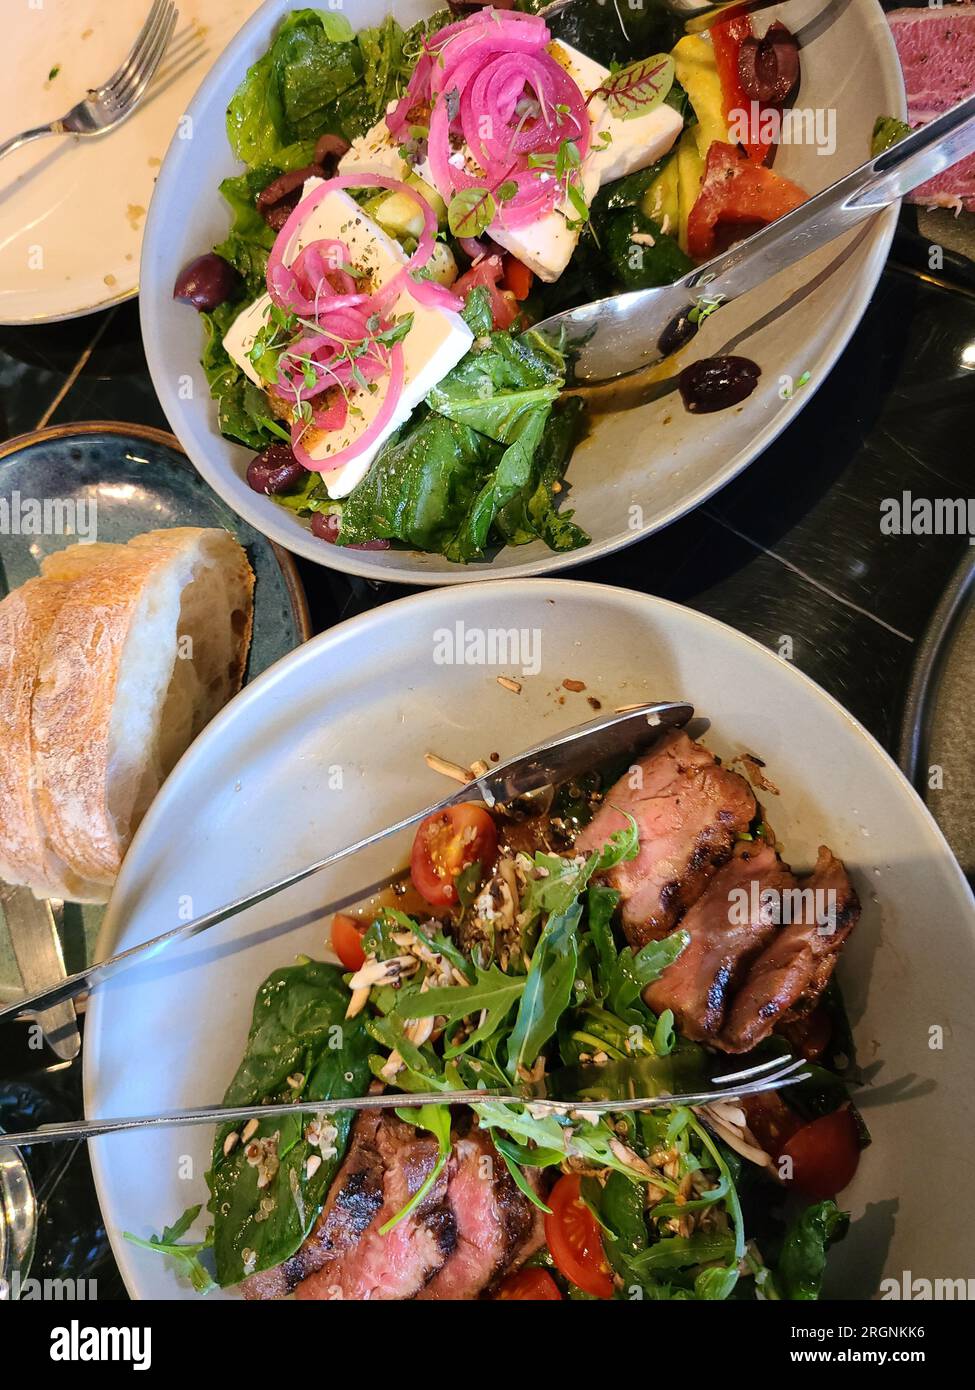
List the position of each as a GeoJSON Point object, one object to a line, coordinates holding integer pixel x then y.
{"type": "Point", "coordinates": [26, 136]}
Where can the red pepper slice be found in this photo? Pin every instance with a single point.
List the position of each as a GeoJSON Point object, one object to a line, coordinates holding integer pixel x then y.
{"type": "Point", "coordinates": [727, 37]}
{"type": "Point", "coordinates": [736, 191]}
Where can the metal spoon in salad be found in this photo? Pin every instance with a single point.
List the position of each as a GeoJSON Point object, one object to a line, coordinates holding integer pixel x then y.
{"type": "Point", "coordinates": [627, 333]}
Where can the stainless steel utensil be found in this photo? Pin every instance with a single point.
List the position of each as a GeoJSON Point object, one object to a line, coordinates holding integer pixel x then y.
{"type": "Point", "coordinates": [32, 927]}
{"type": "Point", "coordinates": [765, 1076]}
{"type": "Point", "coordinates": [557, 760]}
{"type": "Point", "coordinates": [630, 332]}
{"type": "Point", "coordinates": [107, 106]}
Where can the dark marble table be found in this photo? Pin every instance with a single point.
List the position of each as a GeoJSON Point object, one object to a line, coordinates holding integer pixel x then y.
{"type": "Point", "coordinates": [792, 549]}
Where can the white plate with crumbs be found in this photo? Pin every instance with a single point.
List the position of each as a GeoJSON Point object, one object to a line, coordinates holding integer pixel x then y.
{"type": "Point", "coordinates": [330, 744]}
{"type": "Point", "coordinates": [72, 211]}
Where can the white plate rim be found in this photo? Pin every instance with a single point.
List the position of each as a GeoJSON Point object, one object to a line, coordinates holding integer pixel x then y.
{"type": "Point", "coordinates": [333, 639]}
{"type": "Point", "coordinates": [262, 512]}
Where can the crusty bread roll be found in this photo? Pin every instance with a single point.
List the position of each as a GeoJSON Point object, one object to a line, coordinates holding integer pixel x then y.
{"type": "Point", "coordinates": [116, 658]}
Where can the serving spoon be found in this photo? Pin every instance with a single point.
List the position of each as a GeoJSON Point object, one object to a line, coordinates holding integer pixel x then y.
{"type": "Point", "coordinates": [627, 333]}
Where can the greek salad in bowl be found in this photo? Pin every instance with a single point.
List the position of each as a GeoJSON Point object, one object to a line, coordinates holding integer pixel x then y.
{"type": "Point", "coordinates": [414, 200]}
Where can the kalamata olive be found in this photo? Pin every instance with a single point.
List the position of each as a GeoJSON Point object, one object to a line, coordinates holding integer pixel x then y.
{"type": "Point", "coordinates": [275, 469]}
{"type": "Point", "coordinates": [329, 151]}
{"type": "Point", "coordinates": [768, 68]}
{"type": "Point", "coordinates": [715, 383]}
{"type": "Point", "coordinates": [464, 7]}
{"type": "Point", "coordinates": [206, 282]}
{"type": "Point", "coordinates": [277, 202]}
{"type": "Point", "coordinates": [679, 331]}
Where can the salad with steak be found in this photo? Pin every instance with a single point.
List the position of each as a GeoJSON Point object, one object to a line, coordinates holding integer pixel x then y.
{"type": "Point", "coordinates": [640, 923]}
{"type": "Point", "coordinates": [412, 202]}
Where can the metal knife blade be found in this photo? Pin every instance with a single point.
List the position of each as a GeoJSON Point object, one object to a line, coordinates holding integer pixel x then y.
{"type": "Point", "coordinates": [556, 760]}
{"type": "Point", "coordinates": [37, 948]}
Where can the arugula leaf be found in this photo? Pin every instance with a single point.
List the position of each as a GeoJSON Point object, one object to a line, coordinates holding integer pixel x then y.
{"type": "Point", "coordinates": [435, 1118]}
{"type": "Point", "coordinates": [548, 989]}
{"type": "Point", "coordinates": [802, 1262]}
{"type": "Point", "coordinates": [492, 991]}
{"type": "Point", "coordinates": [184, 1256]}
{"type": "Point", "coordinates": [635, 970]}
{"type": "Point", "coordinates": [601, 903]}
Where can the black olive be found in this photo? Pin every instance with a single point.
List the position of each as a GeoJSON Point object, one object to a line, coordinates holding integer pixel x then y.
{"type": "Point", "coordinates": [768, 68]}
{"type": "Point", "coordinates": [206, 282]}
{"type": "Point", "coordinates": [275, 469]}
{"type": "Point", "coordinates": [715, 383]}
{"type": "Point", "coordinates": [679, 331]}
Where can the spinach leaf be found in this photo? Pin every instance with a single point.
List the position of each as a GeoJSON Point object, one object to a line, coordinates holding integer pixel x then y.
{"type": "Point", "coordinates": [621, 1211]}
{"type": "Point", "coordinates": [611, 33]}
{"type": "Point", "coordinates": [421, 485]}
{"type": "Point", "coordinates": [514, 473]}
{"type": "Point", "coordinates": [298, 1030]}
{"type": "Point", "coordinates": [680, 1252]}
{"type": "Point", "coordinates": [548, 989]}
{"type": "Point", "coordinates": [534, 514]}
{"type": "Point", "coordinates": [492, 388]}
{"type": "Point", "coordinates": [802, 1262]}
{"type": "Point", "coordinates": [642, 256]}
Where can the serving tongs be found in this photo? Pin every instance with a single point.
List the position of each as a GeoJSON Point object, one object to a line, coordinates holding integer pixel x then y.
{"type": "Point", "coordinates": [579, 1092]}
{"type": "Point", "coordinates": [627, 333]}
{"type": "Point", "coordinates": [549, 764]}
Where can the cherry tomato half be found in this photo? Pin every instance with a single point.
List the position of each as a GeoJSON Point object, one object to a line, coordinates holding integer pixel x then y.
{"type": "Point", "coordinates": [445, 844]}
{"type": "Point", "coordinates": [572, 1235]}
{"type": "Point", "coordinates": [347, 940]}
{"type": "Point", "coordinates": [825, 1154]}
{"type": "Point", "coordinates": [530, 1285]}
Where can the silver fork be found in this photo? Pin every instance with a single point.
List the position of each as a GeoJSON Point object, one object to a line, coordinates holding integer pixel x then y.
{"type": "Point", "coordinates": [107, 106]}
{"type": "Point", "coordinates": [764, 1076]}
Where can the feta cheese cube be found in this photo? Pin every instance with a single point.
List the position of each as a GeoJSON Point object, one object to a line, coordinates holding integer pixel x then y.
{"type": "Point", "coordinates": [436, 342]}
{"type": "Point", "coordinates": [376, 152]}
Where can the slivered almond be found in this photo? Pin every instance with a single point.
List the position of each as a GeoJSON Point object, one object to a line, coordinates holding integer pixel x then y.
{"type": "Point", "coordinates": [508, 684]}
{"type": "Point", "coordinates": [447, 768]}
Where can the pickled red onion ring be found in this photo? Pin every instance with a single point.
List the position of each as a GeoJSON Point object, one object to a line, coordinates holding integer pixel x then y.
{"type": "Point", "coordinates": [368, 437]}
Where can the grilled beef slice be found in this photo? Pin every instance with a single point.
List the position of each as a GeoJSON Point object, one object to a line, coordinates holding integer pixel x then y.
{"type": "Point", "coordinates": [788, 977]}
{"type": "Point", "coordinates": [497, 1227]}
{"type": "Point", "coordinates": [345, 1256]}
{"type": "Point", "coordinates": [689, 811]}
{"type": "Point", "coordinates": [726, 935]}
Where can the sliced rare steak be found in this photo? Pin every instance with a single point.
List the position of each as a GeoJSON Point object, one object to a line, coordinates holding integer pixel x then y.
{"type": "Point", "coordinates": [689, 811]}
{"type": "Point", "coordinates": [729, 925]}
{"type": "Point", "coordinates": [498, 1228]}
{"type": "Point", "coordinates": [791, 973]}
{"type": "Point", "coordinates": [936, 47]}
{"type": "Point", "coordinates": [346, 1256]}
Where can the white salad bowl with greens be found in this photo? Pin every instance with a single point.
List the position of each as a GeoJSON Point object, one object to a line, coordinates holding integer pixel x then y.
{"type": "Point", "coordinates": [496, 502]}
{"type": "Point", "coordinates": [329, 745]}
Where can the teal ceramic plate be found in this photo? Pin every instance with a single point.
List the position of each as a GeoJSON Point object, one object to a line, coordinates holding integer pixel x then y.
{"type": "Point", "coordinates": [140, 480]}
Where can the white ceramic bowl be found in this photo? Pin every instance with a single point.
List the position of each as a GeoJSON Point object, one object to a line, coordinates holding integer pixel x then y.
{"type": "Point", "coordinates": [259, 793]}
{"type": "Point", "coordinates": [642, 466]}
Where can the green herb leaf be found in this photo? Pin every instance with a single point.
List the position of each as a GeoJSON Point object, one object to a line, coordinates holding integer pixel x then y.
{"type": "Point", "coordinates": [184, 1257]}
{"type": "Point", "coordinates": [639, 88]}
{"type": "Point", "coordinates": [471, 212]}
{"type": "Point", "coordinates": [802, 1262]}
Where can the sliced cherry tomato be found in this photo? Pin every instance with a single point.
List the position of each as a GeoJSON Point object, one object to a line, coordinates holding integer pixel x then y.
{"type": "Point", "coordinates": [771, 1121]}
{"type": "Point", "coordinates": [572, 1235]}
{"type": "Point", "coordinates": [727, 37]}
{"type": "Point", "coordinates": [825, 1154]}
{"type": "Point", "coordinates": [486, 273]}
{"type": "Point", "coordinates": [347, 940]}
{"type": "Point", "coordinates": [445, 844]}
{"type": "Point", "coordinates": [530, 1285]}
{"type": "Point", "coordinates": [735, 191]}
{"type": "Point", "coordinates": [517, 278]}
